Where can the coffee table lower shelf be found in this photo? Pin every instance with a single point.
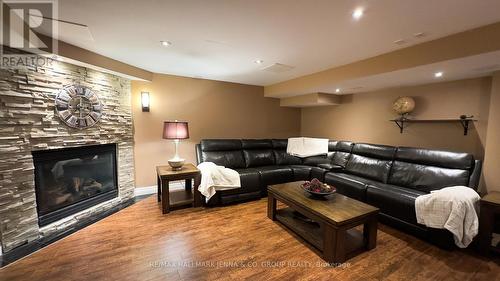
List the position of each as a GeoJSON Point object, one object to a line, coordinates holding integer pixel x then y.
{"type": "Point", "coordinates": [331, 226]}
{"type": "Point", "coordinates": [313, 233]}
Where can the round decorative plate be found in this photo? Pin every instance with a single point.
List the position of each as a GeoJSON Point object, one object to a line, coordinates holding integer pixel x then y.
{"type": "Point", "coordinates": [78, 106]}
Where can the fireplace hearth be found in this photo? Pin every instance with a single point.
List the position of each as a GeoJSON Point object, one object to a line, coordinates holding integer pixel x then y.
{"type": "Point", "coordinates": [70, 180]}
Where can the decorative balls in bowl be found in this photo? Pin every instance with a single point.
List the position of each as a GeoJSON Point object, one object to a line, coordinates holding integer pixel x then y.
{"type": "Point", "coordinates": [317, 188]}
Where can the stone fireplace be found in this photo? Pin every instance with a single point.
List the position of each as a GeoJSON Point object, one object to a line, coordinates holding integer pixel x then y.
{"type": "Point", "coordinates": [73, 179]}
{"type": "Point", "coordinates": [30, 131]}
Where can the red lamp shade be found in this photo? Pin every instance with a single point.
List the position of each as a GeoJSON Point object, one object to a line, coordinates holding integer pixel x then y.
{"type": "Point", "coordinates": [175, 130]}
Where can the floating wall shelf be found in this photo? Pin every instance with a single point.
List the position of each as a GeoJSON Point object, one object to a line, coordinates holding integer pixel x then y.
{"type": "Point", "coordinates": [465, 122]}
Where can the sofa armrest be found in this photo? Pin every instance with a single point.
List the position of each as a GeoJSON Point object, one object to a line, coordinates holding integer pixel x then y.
{"type": "Point", "coordinates": [476, 175]}
{"type": "Point", "coordinates": [198, 153]}
{"type": "Point", "coordinates": [331, 167]}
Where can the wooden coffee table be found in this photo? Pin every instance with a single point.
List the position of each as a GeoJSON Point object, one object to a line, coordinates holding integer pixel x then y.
{"type": "Point", "coordinates": [326, 224]}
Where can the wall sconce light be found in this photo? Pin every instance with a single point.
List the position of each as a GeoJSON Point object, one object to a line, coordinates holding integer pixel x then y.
{"type": "Point", "coordinates": [145, 101]}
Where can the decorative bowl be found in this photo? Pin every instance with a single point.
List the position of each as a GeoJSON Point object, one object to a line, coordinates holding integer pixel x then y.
{"type": "Point", "coordinates": [318, 189]}
{"type": "Point", "coordinates": [176, 164]}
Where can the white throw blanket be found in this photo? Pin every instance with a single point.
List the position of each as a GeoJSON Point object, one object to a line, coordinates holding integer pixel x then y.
{"type": "Point", "coordinates": [452, 208]}
{"type": "Point", "coordinates": [215, 178]}
{"type": "Point", "coordinates": [305, 147]}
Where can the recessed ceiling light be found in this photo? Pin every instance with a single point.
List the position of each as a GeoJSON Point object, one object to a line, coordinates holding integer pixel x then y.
{"type": "Point", "coordinates": [259, 61]}
{"type": "Point", "coordinates": [165, 43]}
{"type": "Point", "coordinates": [337, 90]}
{"type": "Point", "coordinates": [438, 74]}
{"type": "Point", "coordinates": [357, 14]}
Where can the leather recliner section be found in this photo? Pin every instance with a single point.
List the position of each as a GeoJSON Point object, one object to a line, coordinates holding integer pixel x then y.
{"type": "Point", "coordinates": [367, 167]}
{"type": "Point", "coordinates": [225, 153]}
{"type": "Point", "coordinates": [250, 179]}
{"type": "Point", "coordinates": [427, 170]}
{"type": "Point", "coordinates": [280, 155]}
{"type": "Point", "coordinates": [283, 158]}
{"type": "Point", "coordinates": [349, 185]}
{"type": "Point", "coordinates": [301, 172]}
{"type": "Point", "coordinates": [220, 145]}
{"type": "Point", "coordinates": [426, 178]}
{"type": "Point", "coordinates": [437, 158]}
{"type": "Point", "coordinates": [275, 174]}
{"type": "Point", "coordinates": [387, 177]}
{"type": "Point", "coordinates": [392, 200]}
{"type": "Point", "coordinates": [258, 153]}
{"type": "Point", "coordinates": [342, 154]}
{"type": "Point", "coordinates": [371, 161]}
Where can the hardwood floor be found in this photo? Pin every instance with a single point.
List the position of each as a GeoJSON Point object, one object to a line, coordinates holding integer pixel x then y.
{"type": "Point", "coordinates": [230, 243]}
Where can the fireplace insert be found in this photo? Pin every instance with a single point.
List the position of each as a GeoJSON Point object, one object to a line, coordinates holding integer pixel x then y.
{"type": "Point", "coordinates": [70, 180]}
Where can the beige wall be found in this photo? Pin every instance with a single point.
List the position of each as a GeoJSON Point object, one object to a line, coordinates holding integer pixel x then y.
{"type": "Point", "coordinates": [213, 109]}
{"type": "Point", "coordinates": [491, 171]}
{"type": "Point", "coordinates": [217, 109]}
{"type": "Point", "coordinates": [365, 117]}
{"type": "Point", "coordinates": [472, 42]}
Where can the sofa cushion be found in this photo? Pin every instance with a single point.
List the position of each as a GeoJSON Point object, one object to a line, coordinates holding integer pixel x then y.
{"type": "Point", "coordinates": [392, 200]}
{"type": "Point", "coordinates": [283, 158]}
{"type": "Point", "coordinates": [342, 153]}
{"type": "Point", "coordinates": [445, 159]}
{"type": "Point", "coordinates": [332, 145]}
{"type": "Point", "coordinates": [372, 168]}
{"type": "Point", "coordinates": [301, 172]}
{"type": "Point", "coordinates": [250, 180]}
{"type": "Point", "coordinates": [384, 152]}
{"type": "Point", "coordinates": [319, 159]}
{"type": "Point", "coordinates": [344, 146]}
{"type": "Point", "coordinates": [256, 144]}
{"type": "Point", "coordinates": [330, 167]}
{"type": "Point", "coordinates": [280, 144]}
{"type": "Point", "coordinates": [426, 178]}
{"type": "Point", "coordinates": [275, 174]}
{"type": "Point", "coordinates": [220, 144]}
{"type": "Point", "coordinates": [230, 159]}
{"type": "Point", "coordinates": [258, 157]}
{"type": "Point", "coordinates": [349, 185]}
{"type": "Point", "coordinates": [223, 152]}
{"type": "Point", "coordinates": [341, 158]}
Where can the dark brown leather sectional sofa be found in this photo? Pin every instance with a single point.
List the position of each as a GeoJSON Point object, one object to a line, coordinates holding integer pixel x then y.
{"type": "Point", "coordinates": [388, 177]}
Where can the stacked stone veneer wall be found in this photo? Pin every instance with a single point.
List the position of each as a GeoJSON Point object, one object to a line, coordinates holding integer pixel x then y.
{"type": "Point", "coordinates": [28, 122]}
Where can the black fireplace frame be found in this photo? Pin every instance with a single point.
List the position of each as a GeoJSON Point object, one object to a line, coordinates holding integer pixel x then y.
{"type": "Point", "coordinates": [46, 155]}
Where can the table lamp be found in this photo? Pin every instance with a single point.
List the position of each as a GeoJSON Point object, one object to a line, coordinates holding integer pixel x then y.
{"type": "Point", "coordinates": [175, 130]}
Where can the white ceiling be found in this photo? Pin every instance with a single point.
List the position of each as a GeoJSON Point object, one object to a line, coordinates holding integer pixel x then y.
{"type": "Point", "coordinates": [457, 69]}
{"type": "Point", "coordinates": [220, 39]}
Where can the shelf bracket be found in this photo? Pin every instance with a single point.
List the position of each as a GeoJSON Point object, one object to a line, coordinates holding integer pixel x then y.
{"type": "Point", "coordinates": [465, 124]}
{"type": "Point", "coordinates": [400, 124]}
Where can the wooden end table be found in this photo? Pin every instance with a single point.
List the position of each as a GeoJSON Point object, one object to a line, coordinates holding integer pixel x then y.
{"type": "Point", "coordinates": [179, 198]}
{"type": "Point", "coordinates": [490, 209]}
